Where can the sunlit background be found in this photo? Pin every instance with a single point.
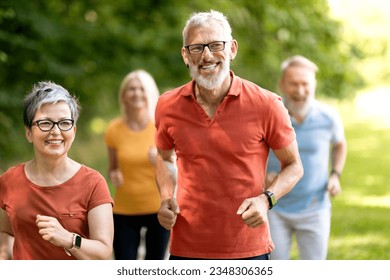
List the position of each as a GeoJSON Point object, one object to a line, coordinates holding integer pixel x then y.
{"type": "Point", "coordinates": [368, 24]}
{"type": "Point", "coordinates": [88, 46]}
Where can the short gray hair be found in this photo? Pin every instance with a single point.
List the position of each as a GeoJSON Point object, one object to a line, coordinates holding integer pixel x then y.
{"type": "Point", "coordinates": [205, 18]}
{"type": "Point", "coordinates": [47, 92]}
{"type": "Point", "coordinates": [298, 60]}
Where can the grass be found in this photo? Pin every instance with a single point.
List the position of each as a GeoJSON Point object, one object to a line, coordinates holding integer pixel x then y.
{"type": "Point", "coordinates": [361, 223]}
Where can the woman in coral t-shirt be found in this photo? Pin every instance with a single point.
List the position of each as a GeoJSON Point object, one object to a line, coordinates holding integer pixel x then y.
{"type": "Point", "coordinates": [54, 207]}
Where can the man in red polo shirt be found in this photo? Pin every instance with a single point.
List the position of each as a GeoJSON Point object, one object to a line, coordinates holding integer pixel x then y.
{"type": "Point", "coordinates": [221, 128]}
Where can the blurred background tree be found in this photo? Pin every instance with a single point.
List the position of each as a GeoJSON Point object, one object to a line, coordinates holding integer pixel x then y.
{"type": "Point", "coordinates": [88, 47]}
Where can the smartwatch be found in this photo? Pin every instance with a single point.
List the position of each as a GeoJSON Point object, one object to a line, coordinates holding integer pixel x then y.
{"type": "Point", "coordinates": [76, 244]}
{"type": "Point", "coordinates": [271, 199]}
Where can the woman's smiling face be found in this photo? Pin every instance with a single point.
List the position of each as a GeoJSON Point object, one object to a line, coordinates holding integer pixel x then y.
{"type": "Point", "coordinates": [54, 143]}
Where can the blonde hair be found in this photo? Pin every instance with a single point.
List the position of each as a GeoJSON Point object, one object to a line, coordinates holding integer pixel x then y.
{"type": "Point", "coordinates": [149, 85]}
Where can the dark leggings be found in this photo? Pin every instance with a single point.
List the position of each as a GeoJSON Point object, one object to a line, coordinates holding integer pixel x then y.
{"type": "Point", "coordinates": [261, 257]}
{"type": "Point", "coordinates": [127, 237]}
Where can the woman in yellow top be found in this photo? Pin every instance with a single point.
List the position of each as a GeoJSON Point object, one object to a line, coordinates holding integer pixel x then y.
{"type": "Point", "coordinates": [132, 153]}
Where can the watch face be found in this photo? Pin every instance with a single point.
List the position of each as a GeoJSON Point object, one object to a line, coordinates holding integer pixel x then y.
{"type": "Point", "coordinates": [271, 199]}
{"type": "Point", "coordinates": [77, 241]}
{"type": "Point", "coordinates": [274, 201]}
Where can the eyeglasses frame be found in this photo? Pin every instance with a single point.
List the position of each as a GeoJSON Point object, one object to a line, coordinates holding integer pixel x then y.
{"type": "Point", "coordinates": [54, 123]}
{"type": "Point", "coordinates": [206, 45]}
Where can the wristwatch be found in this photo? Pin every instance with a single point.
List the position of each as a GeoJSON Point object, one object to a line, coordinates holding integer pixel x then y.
{"type": "Point", "coordinates": [76, 244]}
{"type": "Point", "coordinates": [271, 199]}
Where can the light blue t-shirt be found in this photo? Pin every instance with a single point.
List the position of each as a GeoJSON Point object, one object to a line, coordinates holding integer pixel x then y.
{"type": "Point", "coordinates": [321, 128]}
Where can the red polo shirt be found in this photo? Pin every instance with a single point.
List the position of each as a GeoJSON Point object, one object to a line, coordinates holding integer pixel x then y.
{"type": "Point", "coordinates": [221, 162]}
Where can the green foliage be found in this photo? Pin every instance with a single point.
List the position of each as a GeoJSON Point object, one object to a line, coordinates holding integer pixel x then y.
{"type": "Point", "coordinates": [278, 30]}
{"type": "Point", "coordinates": [88, 47]}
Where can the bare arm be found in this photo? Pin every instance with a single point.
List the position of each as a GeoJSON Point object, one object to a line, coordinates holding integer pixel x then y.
{"type": "Point", "coordinates": [5, 225]}
{"type": "Point", "coordinates": [166, 183]}
{"type": "Point", "coordinates": [6, 246]}
{"type": "Point", "coordinates": [291, 170]}
{"type": "Point", "coordinates": [101, 231]}
{"type": "Point", "coordinates": [6, 237]}
{"type": "Point", "coordinates": [254, 210]}
{"type": "Point", "coordinates": [114, 173]}
{"type": "Point", "coordinates": [338, 157]}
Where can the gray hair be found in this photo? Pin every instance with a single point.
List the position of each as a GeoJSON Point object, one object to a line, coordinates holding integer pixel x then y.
{"type": "Point", "coordinates": [47, 92]}
{"type": "Point", "coordinates": [149, 85]}
{"type": "Point", "coordinates": [298, 60]}
{"type": "Point", "coordinates": [204, 19]}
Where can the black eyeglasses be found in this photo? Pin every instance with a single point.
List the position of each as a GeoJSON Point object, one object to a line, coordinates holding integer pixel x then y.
{"type": "Point", "coordinates": [47, 125]}
{"type": "Point", "coordinates": [216, 46]}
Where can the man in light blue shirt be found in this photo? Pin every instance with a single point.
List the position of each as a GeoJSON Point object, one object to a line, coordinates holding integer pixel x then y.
{"type": "Point", "coordinates": [306, 210]}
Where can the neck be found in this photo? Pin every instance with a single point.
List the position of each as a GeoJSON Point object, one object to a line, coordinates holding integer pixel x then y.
{"type": "Point", "coordinates": [48, 165]}
{"type": "Point", "coordinates": [137, 119]}
{"type": "Point", "coordinates": [44, 172]}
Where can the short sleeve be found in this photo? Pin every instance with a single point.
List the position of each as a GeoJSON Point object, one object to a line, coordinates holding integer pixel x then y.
{"type": "Point", "coordinates": [338, 128]}
{"type": "Point", "coordinates": [100, 191]}
{"type": "Point", "coordinates": [162, 138]}
{"type": "Point", "coordinates": [280, 132]}
{"type": "Point", "coordinates": [110, 135]}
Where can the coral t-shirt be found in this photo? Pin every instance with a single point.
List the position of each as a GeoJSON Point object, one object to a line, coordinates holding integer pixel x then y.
{"type": "Point", "coordinates": [69, 202]}
{"type": "Point", "coordinates": [221, 162]}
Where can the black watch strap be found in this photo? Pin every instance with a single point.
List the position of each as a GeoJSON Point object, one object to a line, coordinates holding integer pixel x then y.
{"type": "Point", "coordinates": [271, 199]}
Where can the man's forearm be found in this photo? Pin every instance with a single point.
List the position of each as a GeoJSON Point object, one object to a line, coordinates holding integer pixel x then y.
{"type": "Point", "coordinates": [339, 155]}
{"type": "Point", "coordinates": [165, 177]}
{"type": "Point", "coordinates": [286, 179]}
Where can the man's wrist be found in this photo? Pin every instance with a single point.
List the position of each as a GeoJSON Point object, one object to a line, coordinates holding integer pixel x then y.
{"type": "Point", "coordinates": [271, 199]}
{"type": "Point", "coordinates": [335, 172]}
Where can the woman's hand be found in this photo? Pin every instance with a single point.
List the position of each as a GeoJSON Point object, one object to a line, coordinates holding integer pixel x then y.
{"type": "Point", "coordinates": [51, 230]}
{"type": "Point", "coordinates": [116, 177]}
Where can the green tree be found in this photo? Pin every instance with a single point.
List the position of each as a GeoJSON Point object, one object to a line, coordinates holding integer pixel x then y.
{"type": "Point", "coordinates": [88, 46]}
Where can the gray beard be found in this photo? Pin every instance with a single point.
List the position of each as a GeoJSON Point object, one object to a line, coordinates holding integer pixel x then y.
{"type": "Point", "coordinates": [298, 111]}
{"type": "Point", "coordinates": [212, 81]}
